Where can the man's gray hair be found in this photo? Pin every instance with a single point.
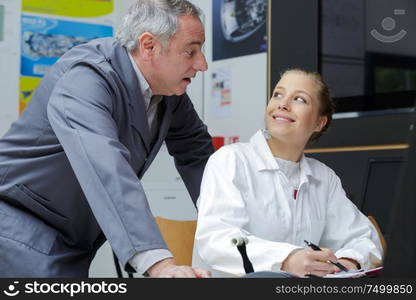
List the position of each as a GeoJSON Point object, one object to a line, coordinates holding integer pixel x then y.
{"type": "Point", "coordinates": [159, 17]}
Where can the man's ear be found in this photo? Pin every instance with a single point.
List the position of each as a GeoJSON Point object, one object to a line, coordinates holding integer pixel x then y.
{"type": "Point", "coordinates": [146, 43]}
{"type": "Point", "coordinates": [322, 120]}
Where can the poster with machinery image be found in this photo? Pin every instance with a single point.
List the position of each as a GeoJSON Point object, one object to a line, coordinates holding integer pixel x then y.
{"type": "Point", "coordinates": [239, 28]}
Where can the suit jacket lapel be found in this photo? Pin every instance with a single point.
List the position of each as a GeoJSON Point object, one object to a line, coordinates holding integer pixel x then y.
{"type": "Point", "coordinates": [138, 119]}
{"type": "Point", "coordinates": [165, 118]}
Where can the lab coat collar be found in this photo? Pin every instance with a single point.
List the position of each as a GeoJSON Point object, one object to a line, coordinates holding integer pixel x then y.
{"type": "Point", "coordinates": [266, 161]}
{"type": "Point", "coordinates": [305, 170]}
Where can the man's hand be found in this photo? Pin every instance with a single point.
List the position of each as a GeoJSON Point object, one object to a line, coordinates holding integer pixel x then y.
{"type": "Point", "coordinates": [168, 269]}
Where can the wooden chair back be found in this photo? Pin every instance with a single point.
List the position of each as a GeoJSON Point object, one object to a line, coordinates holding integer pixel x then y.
{"type": "Point", "coordinates": [380, 234]}
{"type": "Point", "coordinates": [179, 236]}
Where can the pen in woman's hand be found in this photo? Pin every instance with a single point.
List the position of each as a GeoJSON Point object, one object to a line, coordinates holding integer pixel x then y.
{"type": "Point", "coordinates": [316, 248]}
{"type": "Point", "coordinates": [313, 246]}
{"type": "Point", "coordinates": [312, 276]}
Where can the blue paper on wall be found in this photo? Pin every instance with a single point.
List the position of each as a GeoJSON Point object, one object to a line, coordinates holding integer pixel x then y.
{"type": "Point", "coordinates": [44, 40]}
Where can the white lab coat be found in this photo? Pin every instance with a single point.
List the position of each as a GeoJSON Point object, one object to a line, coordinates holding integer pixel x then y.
{"type": "Point", "coordinates": [243, 193]}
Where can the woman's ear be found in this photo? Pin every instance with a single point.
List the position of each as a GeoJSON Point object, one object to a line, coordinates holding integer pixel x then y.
{"type": "Point", "coordinates": [322, 120]}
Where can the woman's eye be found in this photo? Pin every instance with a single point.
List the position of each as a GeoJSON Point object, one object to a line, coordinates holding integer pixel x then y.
{"type": "Point", "coordinates": [277, 95]}
{"type": "Point", "coordinates": [300, 99]}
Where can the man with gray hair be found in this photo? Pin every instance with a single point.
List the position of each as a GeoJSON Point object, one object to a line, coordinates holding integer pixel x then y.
{"type": "Point", "coordinates": [70, 166]}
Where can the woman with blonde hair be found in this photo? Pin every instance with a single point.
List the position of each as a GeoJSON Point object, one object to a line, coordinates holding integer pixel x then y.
{"type": "Point", "coordinates": [270, 193]}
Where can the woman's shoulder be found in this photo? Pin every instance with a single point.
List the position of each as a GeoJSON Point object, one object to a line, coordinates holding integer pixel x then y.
{"type": "Point", "coordinates": [235, 151]}
{"type": "Point", "coordinates": [318, 167]}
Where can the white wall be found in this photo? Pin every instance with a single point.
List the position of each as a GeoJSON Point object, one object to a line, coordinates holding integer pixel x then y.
{"type": "Point", "coordinates": [9, 64]}
{"type": "Point", "coordinates": [248, 95]}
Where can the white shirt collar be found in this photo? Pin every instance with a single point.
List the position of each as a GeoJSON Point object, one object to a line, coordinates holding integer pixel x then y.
{"type": "Point", "coordinates": [144, 85]}
{"type": "Point", "coordinates": [266, 160]}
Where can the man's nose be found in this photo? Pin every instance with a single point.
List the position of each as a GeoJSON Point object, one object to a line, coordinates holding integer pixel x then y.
{"type": "Point", "coordinates": [201, 63]}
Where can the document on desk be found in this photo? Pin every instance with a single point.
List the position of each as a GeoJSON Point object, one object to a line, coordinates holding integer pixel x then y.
{"type": "Point", "coordinates": [355, 273]}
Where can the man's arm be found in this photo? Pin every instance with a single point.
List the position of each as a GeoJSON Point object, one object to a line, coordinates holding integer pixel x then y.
{"type": "Point", "coordinates": [80, 113]}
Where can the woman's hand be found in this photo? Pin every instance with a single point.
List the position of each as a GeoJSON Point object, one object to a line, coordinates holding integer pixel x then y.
{"type": "Point", "coordinates": [349, 263]}
{"type": "Point", "coordinates": [307, 262]}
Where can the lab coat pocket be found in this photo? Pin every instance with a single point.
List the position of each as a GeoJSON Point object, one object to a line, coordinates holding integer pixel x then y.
{"type": "Point", "coordinates": [37, 204]}
{"type": "Point", "coordinates": [25, 229]}
{"type": "Point", "coordinates": [32, 194]}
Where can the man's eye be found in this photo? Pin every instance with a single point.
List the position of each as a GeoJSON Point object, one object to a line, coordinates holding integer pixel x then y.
{"type": "Point", "coordinates": [190, 53]}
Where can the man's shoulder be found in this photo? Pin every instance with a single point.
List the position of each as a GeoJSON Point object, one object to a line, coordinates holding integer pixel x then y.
{"type": "Point", "coordinates": [96, 51]}
{"type": "Point", "coordinates": [99, 46]}
{"type": "Point", "coordinates": [104, 56]}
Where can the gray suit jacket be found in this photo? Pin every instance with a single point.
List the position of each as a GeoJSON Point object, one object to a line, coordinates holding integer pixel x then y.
{"type": "Point", "coordinates": [75, 157]}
